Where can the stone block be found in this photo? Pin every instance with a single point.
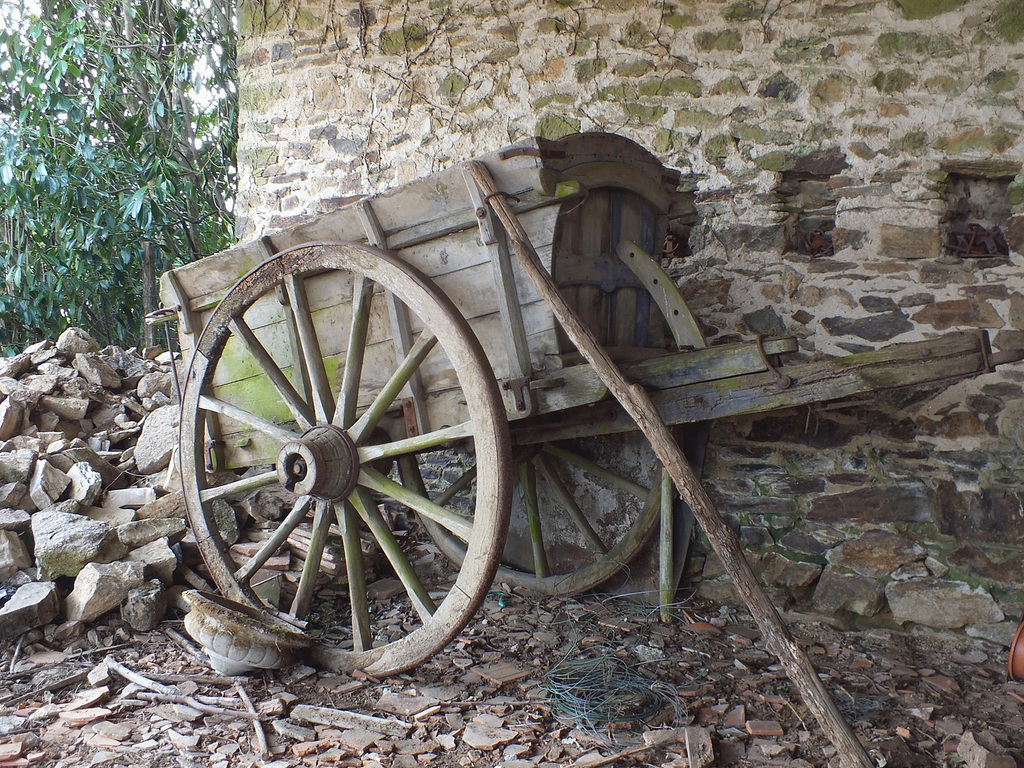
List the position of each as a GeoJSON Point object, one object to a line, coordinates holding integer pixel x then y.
{"type": "Point", "coordinates": [33, 605]}
{"type": "Point", "coordinates": [141, 532]}
{"type": "Point", "coordinates": [157, 559]}
{"type": "Point", "coordinates": [145, 606]}
{"type": "Point", "coordinates": [16, 466]}
{"type": "Point", "coordinates": [876, 553]}
{"type": "Point", "coordinates": [958, 313]}
{"type": "Point", "coordinates": [12, 414]}
{"type": "Point", "coordinates": [839, 591]}
{"type": "Point", "coordinates": [14, 555]}
{"type": "Point", "coordinates": [46, 484]}
{"type": "Point", "coordinates": [873, 504]}
{"type": "Point", "coordinates": [158, 439]}
{"type": "Point", "coordinates": [101, 587]}
{"type": "Point", "coordinates": [784, 572]}
{"type": "Point", "coordinates": [74, 341]}
{"type": "Point", "coordinates": [900, 242]}
{"type": "Point", "coordinates": [941, 604]}
{"type": "Point", "coordinates": [66, 542]}
{"type": "Point", "coordinates": [86, 483]}
{"type": "Point", "coordinates": [97, 371]}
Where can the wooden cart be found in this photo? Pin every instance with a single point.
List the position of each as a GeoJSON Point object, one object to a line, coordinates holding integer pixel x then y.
{"type": "Point", "coordinates": [386, 366]}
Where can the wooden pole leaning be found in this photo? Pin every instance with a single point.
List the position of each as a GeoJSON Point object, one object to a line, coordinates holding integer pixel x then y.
{"type": "Point", "coordinates": [635, 400]}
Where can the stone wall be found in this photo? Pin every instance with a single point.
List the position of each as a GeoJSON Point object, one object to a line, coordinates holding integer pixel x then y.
{"type": "Point", "coordinates": [856, 170]}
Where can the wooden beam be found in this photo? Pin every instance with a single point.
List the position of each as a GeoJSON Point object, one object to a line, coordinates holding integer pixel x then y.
{"type": "Point", "coordinates": [639, 406]}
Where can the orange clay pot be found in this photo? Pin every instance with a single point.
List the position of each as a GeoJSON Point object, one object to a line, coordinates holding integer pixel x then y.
{"type": "Point", "coordinates": [1017, 655]}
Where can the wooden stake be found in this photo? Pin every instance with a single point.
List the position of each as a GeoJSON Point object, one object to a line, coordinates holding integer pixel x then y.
{"type": "Point", "coordinates": [635, 400]}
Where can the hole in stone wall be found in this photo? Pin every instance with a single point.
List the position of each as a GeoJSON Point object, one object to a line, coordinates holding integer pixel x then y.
{"type": "Point", "coordinates": [977, 210]}
{"type": "Point", "coordinates": [811, 205]}
{"type": "Point", "coordinates": [683, 218]}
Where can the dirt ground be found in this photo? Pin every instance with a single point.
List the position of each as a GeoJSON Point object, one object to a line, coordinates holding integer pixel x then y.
{"type": "Point", "coordinates": [532, 682]}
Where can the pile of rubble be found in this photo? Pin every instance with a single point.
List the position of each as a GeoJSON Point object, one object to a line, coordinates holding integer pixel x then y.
{"type": "Point", "coordinates": [89, 513]}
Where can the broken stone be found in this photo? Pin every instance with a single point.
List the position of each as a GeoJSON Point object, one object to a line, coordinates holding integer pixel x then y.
{"type": "Point", "coordinates": [71, 408]}
{"type": "Point", "coordinates": [14, 555]}
{"type": "Point", "coordinates": [12, 414]}
{"type": "Point", "coordinates": [36, 385]}
{"type": "Point", "coordinates": [941, 604]}
{"type": "Point", "coordinates": [783, 572]}
{"type": "Point", "coordinates": [12, 495]}
{"type": "Point", "coordinates": [96, 371]}
{"type": "Point", "coordinates": [876, 553]}
{"type": "Point", "coordinates": [145, 606]}
{"type": "Point", "coordinates": [141, 532]}
{"type": "Point", "coordinates": [157, 559]}
{"type": "Point", "coordinates": [131, 498]}
{"type": "Point", "coordinates": [80, 451]}
{"type": "Point", "coordinates": [14, 520]}
{"type": "Point", "coordinates": [86, 483]}
{"type": "Point", "coordinates": [74, 341]}
{"type": "Point", "coordinates": [977, 756]}
{"type": "Point", "coordinates": [33, 605]}
{"type": "Point", "coordinates": [101, 587]}
{"type": "Point", "coordinates": [486, 737]}
{"type": "Point", "coordinates": [14, 366]}
{"type": "Point", "coordinates": [65, 543]}
{"type": "Point", "coordinates": [171, 505]}
{"type": "Point", "coordinates": [153, 383]}
{"type": "Point", "coordinates": [837, 591]}
{"type": "Point", "coordinates": [47, 484]}
{"type": "Point", "coordinates": [158, 440]}
{"type": "Point", "coordinates": [16, 466]}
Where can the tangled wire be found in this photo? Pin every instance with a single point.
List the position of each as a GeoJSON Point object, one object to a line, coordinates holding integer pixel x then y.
{"type": "Point", "coordinates": [597, 691]}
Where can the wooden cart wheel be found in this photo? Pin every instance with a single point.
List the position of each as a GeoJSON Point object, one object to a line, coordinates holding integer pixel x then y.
{"type": "Point", "coordinates": [317, 420]}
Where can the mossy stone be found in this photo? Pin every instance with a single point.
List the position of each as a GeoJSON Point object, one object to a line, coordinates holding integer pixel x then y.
{"type": "Point", "coordinates": [453, 86]}
{"type": "Point", "coordinates": [945, 84]}
{"type": "Point", "coordinates": [926, 9]}
{"type": "Point", "coordinates": [1002, 80]}
{"type": "Point", "coordinates": [744, 11]}
{"type": "Point", "coordinates": [758, 135]}
{"type": "Point", "coordinates": [1015, 191]}
{"type": "Point", "coordinates": [637, 68]}
{"type": "Point", "coordinates": [729, 40]}
{"type": "Point", "coordinates": [1008, 20]}
{"type": "Point", "coordinates": [552, 126]}
{"type": "Point", "coordinates": [678, 21]}
{"type": "Point", "coordinates": [779, 86]}
{"type": "Point", "coordinates": [832, 89]}
{"type": "Point", "coordinates": [778, 161]}
{"type": "Point", "coordinates": [720, 145]}
{"type": "Point", "coordinates": [729, 86]}
{"type": "Point", "coordinates": [550, 25]}
{"type": "Point", "coordinates": [999, 140]}
{"type": "Point", "coordinates": [914, 44]}
{"type": "Point", "coordinates": [499, 55]}
{"type": "Point", "coordinates": [798, 49]}
{"type": "Point", "coordinates": [616, 93]}
{"type": "Point", "coordinates": [912, 142]}
{"type": "Point", "coordinates": [642, 113]}
{"type": "Point", "coordinates": [666, 140]}
{"type": "Point", "coordinates": [670, 86]}
{"type": "Point", "coordinates": [696, 118]}
{"type": "Point", "coordinates": [834, 9]}
{"type": "Point", "coordinates": [636, 35]}
{"type": "Point", "coordinates": [588, 69]}
{"type": "Point", "coordinates": [893, 81]}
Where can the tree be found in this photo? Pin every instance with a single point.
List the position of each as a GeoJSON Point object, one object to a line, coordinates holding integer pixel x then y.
{"type": "Point", "coordinates": [118, 126]}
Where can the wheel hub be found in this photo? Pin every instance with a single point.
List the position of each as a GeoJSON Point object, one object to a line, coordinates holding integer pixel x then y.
{"type": "Point", "coordinates": [322, 463]}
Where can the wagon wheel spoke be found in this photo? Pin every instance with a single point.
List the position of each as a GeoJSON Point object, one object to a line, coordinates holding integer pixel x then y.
{"type": "Point", "coordinates": [367, 509]}
{"type": "Point", "coordinates": [362, 293]}
{"type": "Point", "coordinates": [238, 487]}
{"type": "Point", "coordinates": [323, 398]}
{"type": "Point", "coordinates": [462, 482]}
{"type": "Point", "coordinates": [569, 504]}
{"type": "Point", "coordinates": [323, 516]}
{"type": "Point", "coordinates": [528, 483]}
{"type": "Point", "coordinates": [265, 426]}
{"type": "Point", "coordinates": [348, 522]}
{"type": "Point", "coordinates": [277, 538]}
{"type": "Point", "coordinates": [415, 444]}
{"type": "Point", "coordinates": [451, 521]}
{"type": "Point", "coordinates": [606, 475]}
{"type": "Point", "coordinates": [300, 408]}
{"type": "Point", "coordinates": [366, 423]}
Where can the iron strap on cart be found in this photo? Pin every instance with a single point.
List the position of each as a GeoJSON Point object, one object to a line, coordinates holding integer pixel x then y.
{"type": "Point", "coordinates": [388, 368]}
